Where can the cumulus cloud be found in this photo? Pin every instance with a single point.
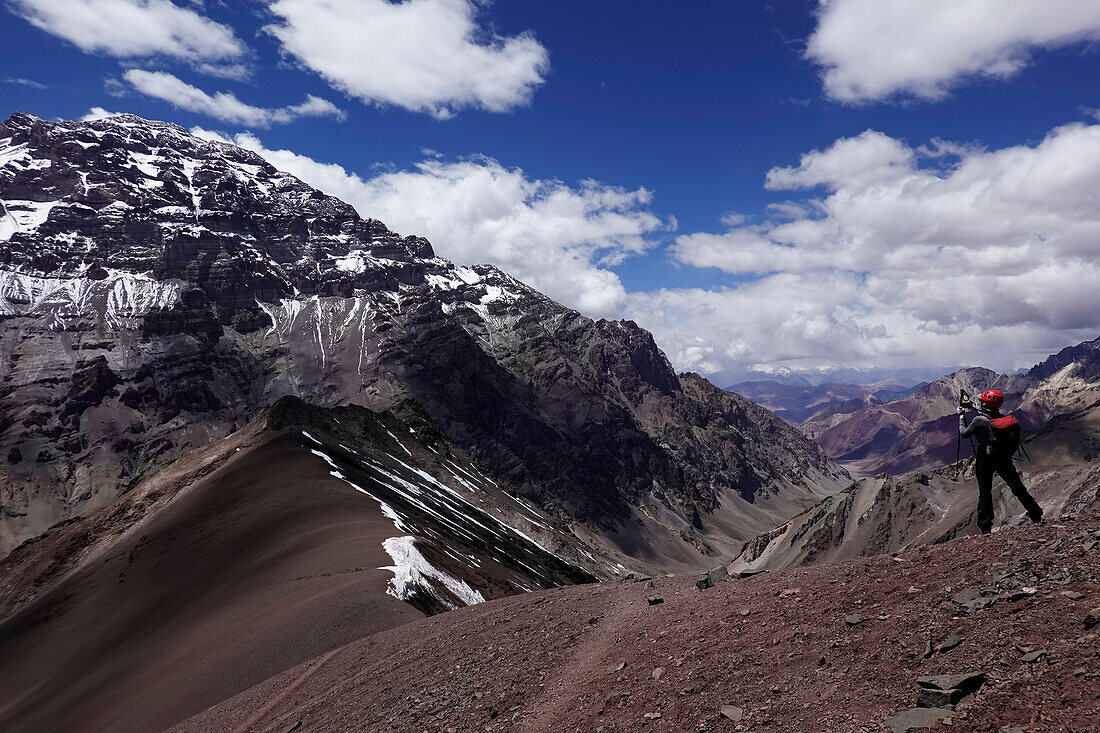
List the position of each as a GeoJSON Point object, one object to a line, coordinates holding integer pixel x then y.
{"type": "Point", "coordinates": [133, 28]}
{"type": "Point", "coordinates": [224, 106]}
{"type": "Point", "coordinates": [98, 113]}
{"type": "Point", "coordinates": [872, 50]}
{"type": "Point", "coordinates": [558, 238]}
{"type": "Point", "coordinates": [423, 55]}
{"type": "Point", "coordinates": [904, 258]}
{"type": "Point", "coordinates": [784, 319]}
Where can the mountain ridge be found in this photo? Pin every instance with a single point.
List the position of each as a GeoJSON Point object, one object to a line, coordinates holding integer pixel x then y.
{"type": "Point", "coordinates": [308, 528]}
{"type": "Point", "coordinates": [159, 290]}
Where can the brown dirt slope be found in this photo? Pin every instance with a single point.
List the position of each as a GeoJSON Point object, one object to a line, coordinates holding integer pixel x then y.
{"type": "Point", "coordinates": [831, 647]}
{"type": "Point", "coordinates": [242, 560]}
{"type": "Point", "coordinates": [218, 590]}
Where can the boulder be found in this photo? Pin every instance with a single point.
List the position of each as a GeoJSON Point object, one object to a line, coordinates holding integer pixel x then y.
{"type": "Point", "coordinates": [1092, 618]}
{"type": "Point", "coordinates": [946, 690]}
{"type": "Point", "coordinates": [952, 641]}
{"type": "Point", "coordinates": [713, 578]}
{"type": "Point", "coordinates": [969, 682]}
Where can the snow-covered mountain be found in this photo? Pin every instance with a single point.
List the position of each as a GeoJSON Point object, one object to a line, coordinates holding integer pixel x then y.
{"type": "Point", "coordinates": [158, 290]}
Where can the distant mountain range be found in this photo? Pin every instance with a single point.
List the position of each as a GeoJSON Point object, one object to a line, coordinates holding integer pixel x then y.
{"type": "Point", "coordinates": [919, 495]}
{"type": "Point", "coordinates": [917, 432]}
{"type": "Point", "coordinates": [891, 427]}
{"type": "Point", "coordinates": [834, 375]}
{"type": "Point", "coordinates": [797, 403]}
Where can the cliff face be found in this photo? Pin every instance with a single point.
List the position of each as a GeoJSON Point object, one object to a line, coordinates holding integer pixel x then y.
{"type": "Point", "coordinates": [158, 290]}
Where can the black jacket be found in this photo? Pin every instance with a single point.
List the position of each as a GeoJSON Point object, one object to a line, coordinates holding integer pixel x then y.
{"type": "Point", "coordinates": [979, 429]}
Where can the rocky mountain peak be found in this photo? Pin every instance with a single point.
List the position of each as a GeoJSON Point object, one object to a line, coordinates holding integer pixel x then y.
{"type": "Point", "coordinates": [159, 290]}
{"type": "Point", "coordinates": [1086, 351]}
{"type": "Point", "coordinates": [149, 198]}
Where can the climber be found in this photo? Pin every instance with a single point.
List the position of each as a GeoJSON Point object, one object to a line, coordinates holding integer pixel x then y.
{"type": "Point", "coordinates": [998, 438]}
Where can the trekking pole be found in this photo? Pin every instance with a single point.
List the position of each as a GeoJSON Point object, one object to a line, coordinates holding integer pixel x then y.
{"type": "Point", "coordinates": [964, 401]}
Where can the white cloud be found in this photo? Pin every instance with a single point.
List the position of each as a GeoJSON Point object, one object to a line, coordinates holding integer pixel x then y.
{"type": "Point", "coordinates": [31, 83]}
{"type": "Point", "coordinates": [873, 50]}
{"type": "Point", "coordinates": [236, 72]}
{"type": "Point", "coordinates": [98, 113]}
{"type": "Point", "coordinates": [906, 259]}
{"type": "Point", "coordinates": [557, 238]}
{"type": "Point", "coordinates": [133, 28]}
{"type": "Point", "coordinates": [870, 158]}
{"type": "Point", "coordinates": [424, 55]}
{"type": "Point", "coordinates": [784, 319]}
{"type": "Point", "coordinates": [114, 87]}
{"type": "Point", "coordinates": [224, 106]}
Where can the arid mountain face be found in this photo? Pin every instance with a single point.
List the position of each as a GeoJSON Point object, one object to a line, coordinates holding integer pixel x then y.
{"type": "Point", "coordinates": [839, 647]}
{"type": "Point", "coordinates": [918, 432]}
{"type": "Point", "coordinates": [157, 291]}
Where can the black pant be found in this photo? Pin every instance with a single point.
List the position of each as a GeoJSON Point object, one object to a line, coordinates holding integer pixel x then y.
{"type": "Point", "coordinates": [1003, 467]}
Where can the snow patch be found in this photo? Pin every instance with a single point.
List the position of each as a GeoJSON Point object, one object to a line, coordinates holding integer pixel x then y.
{"type": "Point", "coordinates": [144, 163]}
{"type": "Point", "coordinates": [467, 275]}
{"type": "Point", "coordinates": [412, 572]}
{"type": "Point", "coordinates": [356, 262]}
{"type": "Point", "coordinates": [23, 216]}
{"type": "Point", "coordinates": [399, 442]}
{"type": "Point", "coordinates": [12, 153]}
{"type": "Point", "coordinates": [118, 296]}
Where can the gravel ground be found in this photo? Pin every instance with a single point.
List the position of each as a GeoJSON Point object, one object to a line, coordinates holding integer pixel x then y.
{"type": "Point", "coordinates": [835, 647]}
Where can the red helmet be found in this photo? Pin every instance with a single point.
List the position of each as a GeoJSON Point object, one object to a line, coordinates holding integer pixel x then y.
{"type": "Point", "coordinates": [992, 397]}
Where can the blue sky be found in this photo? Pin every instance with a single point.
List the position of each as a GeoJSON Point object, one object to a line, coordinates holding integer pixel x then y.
{"type": "Point", "coordinates": [478, 125]}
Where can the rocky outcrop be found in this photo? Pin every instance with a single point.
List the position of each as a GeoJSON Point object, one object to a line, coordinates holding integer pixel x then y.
{"type": "Point", "coordinates": [204, 284]}
{"type": "Point", "coordinates": [1086, 351]}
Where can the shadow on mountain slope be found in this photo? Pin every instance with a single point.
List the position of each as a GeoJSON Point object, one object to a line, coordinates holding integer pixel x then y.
{"type": "Point", "coordinates": [302, 532]}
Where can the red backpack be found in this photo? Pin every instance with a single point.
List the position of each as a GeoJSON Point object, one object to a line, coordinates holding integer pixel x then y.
{"type": "Point", "coordinates": [1005, 436]}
